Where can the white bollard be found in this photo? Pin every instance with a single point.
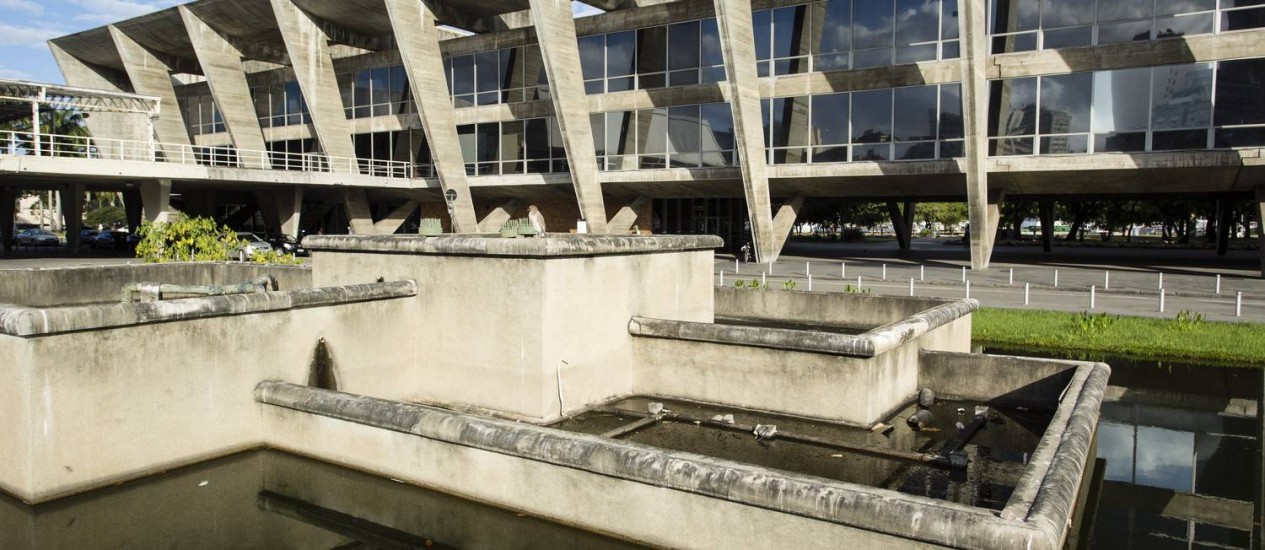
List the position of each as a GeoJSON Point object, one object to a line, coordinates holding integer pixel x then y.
{"type": "Point", "coordinates": [1238, 304]}
{"type": "Point", "coordinates": [808, 268]}
{"type": "Point", "coordinates": [810, 282]}
{"type": "Point", "coordinates": [1093, 291]}
{"type": "Point", "coordinates": [843, 270]}
{"type": "Point", "coordinates": [884, 272]}
{"type": "Point", "coordinates": [763, 282]}
{"type": "Point", "coordinates": [770, 268]}
{"type": "Point", "coordinates": [1161, 287]}
{"type": "Point", "coordinates": [1218, 285]}
{"type": "Point", "coordinates": [1026, 294]}
{"type": "Point", "coordinates": [736, 271]}
{"type": "Point", "coordinates": [722, 278]}
{"type": "Point", "coordinates": [922, 273]}
{"type": "Point", "coordinates": [1056, 278]}
{"type": "Point", "coordinates": [1106, 281]}
{"type": "Point", "coordinates": [968, 290]}
{"type": "Point", "coordinates": [1012, 276]}
{"type": "Point", "coordinates": [963, 274]}
{"type": "Point", "coordinates": [911, 287]}
{"type": "Point", "coordinates": [1162, 291]}
{"type": "Point", "coordinates": [858, 283]}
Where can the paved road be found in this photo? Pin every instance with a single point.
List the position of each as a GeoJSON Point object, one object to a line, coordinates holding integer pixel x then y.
{"type": "Point", "coordinates": [21, 258]}
{"type": "Point", "coordinates": [1124, 281]}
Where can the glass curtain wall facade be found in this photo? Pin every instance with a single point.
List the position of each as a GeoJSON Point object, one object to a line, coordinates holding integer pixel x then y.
{"type": "Point", "coordinates": [408, 147]}
{"type": "Point", "coordinates": [280, 105]}
{"type": "Point", "coordinates": [1027, 25]}
{"type": "Point", "coordinates": [513, 147]}
{"type": "Point", "coordinates": [654, 57]}
{"type": "Point", "coordinates": [382, 91]}
{"type": "Point", "coordinates": [684, 136]}
{"type": "Point", "coordinates": [202, 115]}
{"type": "Point", "coordinates": [1162, 108]}
{"type": "Point", "coordinates": [912, 123]}
{"type": "Point", "coordinates": [509, 75]}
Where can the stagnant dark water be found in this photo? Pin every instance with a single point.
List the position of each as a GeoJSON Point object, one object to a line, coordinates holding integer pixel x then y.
{"type": "Point", "coordinates": [1179, 448]}
{"type": "Point", "coordinates": [272, 500]}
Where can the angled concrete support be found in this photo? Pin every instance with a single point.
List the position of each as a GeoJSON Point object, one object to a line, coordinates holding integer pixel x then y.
{"type": "Point", "coordinates": [8, 216]}
{"type": "Point", "coordinates": [737, 40]}
{"type": "Point", "coordinates": [492, 222]}
{"type": "Point", "coordinates": [983, 214]}
{"type": "Point", "coordinates": [72, 197]}
{"type": "Point", "coordinates": [902, 223]}
{"type": "Point", "coordinates": [105, 125]}
{"type": "Point", "coordinates": [395, 218]}
{"type": "Point", "coordinates": [555, 30]}
{"type": "Point", "coordinates": [309, 52]}
{"type": "Point", "coordinates": [1046, 212]}
{"type": "Point", "coordinates": [156, 200]}
{"type": "Point", "coordinates": [418, 39]}
{"type": "Point", "coordinates": [222, 64]}
{"type": "Point", "coordinates": [359, 215]}
{"type": "Point", "coordinates": [151, 76]}
{"type": "Point", "coordinates": [624, 220]}
{"type": "Point", "coordinates": [133, 209]}
{"type": "Point", "coordinates": [289, 208]}
{"type": "Point", "coordinates": [784, 222]}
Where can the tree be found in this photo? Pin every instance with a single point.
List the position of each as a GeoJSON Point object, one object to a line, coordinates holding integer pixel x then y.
{"type": "Point", "coordinates": [185, 240]}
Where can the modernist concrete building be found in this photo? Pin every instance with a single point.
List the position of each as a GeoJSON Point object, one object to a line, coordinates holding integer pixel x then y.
{"type": "Point", "coordinates": [720, 116]}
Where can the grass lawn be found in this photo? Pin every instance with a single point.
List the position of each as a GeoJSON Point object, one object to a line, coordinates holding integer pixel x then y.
{"type": "Point", "coordinates": [1084, 335]}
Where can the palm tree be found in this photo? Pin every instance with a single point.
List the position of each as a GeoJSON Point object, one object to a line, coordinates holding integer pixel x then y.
{"type": "Point", "coordinates": [63, 132]}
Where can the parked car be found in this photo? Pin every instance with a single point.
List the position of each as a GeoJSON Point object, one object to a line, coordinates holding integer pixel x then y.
{"type": "Point", "coordinates": [286, 244]}
{"type": "Point", "coordinates": [132, 240]}
{"type": "Point", "coordinates": [110, 240]}
{"type": "Point", "coordinates": [86, 235]}
{"type": "Point", "coordinates": [248, 245]}
{"type": "Point", "coordinates": [38, 237]}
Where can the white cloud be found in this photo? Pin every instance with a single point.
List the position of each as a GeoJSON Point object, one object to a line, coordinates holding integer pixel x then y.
{"type": "Point", "coordinates": [24, 6]}
{"type": "Point", "coordinates": [14, 74]}
{"type": "Point", "coordinates": [110, 11]}
{"type": "Point", "coordinates": [34, 37]}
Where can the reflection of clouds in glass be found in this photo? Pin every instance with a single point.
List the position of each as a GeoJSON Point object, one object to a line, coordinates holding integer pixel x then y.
{"type": "Point", "coordinates": [1067, 13]}
{"type": "Point", "coordinates": [1165, 458]}
{"type": "Point", "coordinates": [1115, 444]}
{"type": "Point", "coordinates": [1121, 100]}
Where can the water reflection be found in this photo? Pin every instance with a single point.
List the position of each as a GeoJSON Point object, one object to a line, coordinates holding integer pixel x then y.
{"type": "Point", "coordinates": [276, 501]}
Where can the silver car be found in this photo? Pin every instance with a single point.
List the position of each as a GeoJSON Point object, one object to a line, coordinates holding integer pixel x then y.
{"type": "Point", "coordinates": [38, 237]}
{"type": "Point", "coordinates": [248, 245]}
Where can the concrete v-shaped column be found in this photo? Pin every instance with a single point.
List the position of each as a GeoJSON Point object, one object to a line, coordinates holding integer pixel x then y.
{"type": "Point", "coordinates": [983, 216]}
{"type": "Point", "coordinates": [492, 222]}
{"type": "Point", "coordinates": [623, 220]}
{"type": "Point", "coordinates": [150, 76]}
{"type": "Point", "coordinates": [784, 221]}
{"type": "Point", "coordinates": [104, 125]}
{"type": "Point", "coordinates": [555, 31]}
{"type": "Point", "coordinates": [222, 65]}
{"type": "Point", "coordinates": [737, 42]}
{"type": "Point", "coordinates": [418, 41]}
{"type": "Point", "coordinates": [308, 48]}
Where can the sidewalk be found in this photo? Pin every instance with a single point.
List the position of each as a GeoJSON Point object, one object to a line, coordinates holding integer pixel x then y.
{"type": "Point", "coordinates": [1123, 281]}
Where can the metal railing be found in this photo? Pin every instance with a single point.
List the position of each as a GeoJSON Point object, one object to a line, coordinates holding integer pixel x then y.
{"type": "Point", "coordinates": [81, 147]}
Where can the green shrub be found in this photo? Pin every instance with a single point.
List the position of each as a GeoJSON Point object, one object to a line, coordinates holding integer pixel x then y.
{"type": "Point", "coordinates": [852, 235]}
{"type": "Point", "coordinates": [789, 285]}
{"type": "Point", "coordinates": [849, 289]}
{"type": "Point", "coordinates": [1186, 321]}
{"type": "Point", "coordinates": [275, 257]}
{"type": "Point", "coordinates": [185, 240]}
{"type": "Point", "coordinates": [1091, 324]}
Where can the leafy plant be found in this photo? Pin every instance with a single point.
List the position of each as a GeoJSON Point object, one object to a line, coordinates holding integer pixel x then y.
{"type": "Point", "coordinates": [185, 240]}
{"type": "Point", "coordinates": [789, 284]}
{"type": "Point", "coordinates": [740, 284]}
{"type": "Point", "coordinates": [275, 257]}
{"type": "Point", "coordinates": [1186, 321]}
{"type": "Point", "coordinates": [849, 289]}
{"type": "Point", "coordinates": [1092, 324]}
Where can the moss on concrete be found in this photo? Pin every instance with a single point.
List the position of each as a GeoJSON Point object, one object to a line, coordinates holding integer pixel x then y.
{"type": "Point", "coordinates": [1081, 335]}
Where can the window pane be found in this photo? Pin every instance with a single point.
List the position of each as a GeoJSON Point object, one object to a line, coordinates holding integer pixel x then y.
{"type": "Point", "coordinates": [951, 126]}
{"type": "Point", "coordinates": [1127, 142]}
{"type": "Point", "coordinates": [1015, 43]}
{"type": "Point", "coordinates": [915, 114]}
{"type": "Point", "coordinates": [712, 54]}
{"type": "Point", "coordinates": [651, 57]}
{"type": "Point", "coordinates": [1120, 10]}
{"type": "Point", "coordinates": [717, 127]}
{"type": "Point", "coordinates": [1065, 103]}
{"type": "Point", "coordinates": [381, 85]}
{"type": "Point", "coordinates": [621, 50]}
{"type": "Point", "coordinates": [872, 117]}
{"type": "Point", "coordinates": [917, 21]}
{"type": "Point", "coordinates": [593, 56]}
{"type": "Point", "coordinates": [790, 121]}
{"type": "Point", "coordinates": [683, 45]}
{"type": "Point", "coordinates": [619, 133]}
{"type": "Point", "coordinates": [762, 29]}
{"type": "Point", "coordinates": [1013, 15]}
{"type": "Point", "coordinates": [487, 66]}
{"type": "Point", "coordinates": [830, 119]}
{"type": "Point", "coordinates": [1241, 92]}
{"type": "Point", "coordinates": [835, 32]}
{"type": "Point", "coordinates": [1012, 107]}
{"type": "Point", "coordinates": [873, 25]}
{"type": "Point", "coordinates": [1242, 19]}
{"type": "Point", "coordinates": [513, 141]}
{"type": "Point", "coordinates": [537, 138]}
{"type": "Point", "coordinates": [1067, 13]}
{"type": "Point", "coordinates": [1179, 139]}
{"type": "Point", "coordinates": [683, 126]}
{"type": "Point", "coordinates": [1118, 100]}
{"type": "Point", "coordinates": [511, 72]}
{"type": "Point", "coordinates": [1181, 96]}
{"type": "Point", "coordinates": [1132, 31]}
{"type": "Point", "coordinates": [1183, 25]}
{"type": "Point", "coordinates": [1167, 7]}
{"type": "Point", "coordinates": [463, 75]}
{"type": "Point", "coordinates": [652, 125]}
{"type": "Point", "coordinates": [466, 136]}
{"type": "Point", "coordinates": [949, 19]}
{"type": "Point", "coordinates": [1068, 38]}
{"type": "Point", "coordinates": [1062, 145]}
{"type": "Point", "coordinates": [790, 31]}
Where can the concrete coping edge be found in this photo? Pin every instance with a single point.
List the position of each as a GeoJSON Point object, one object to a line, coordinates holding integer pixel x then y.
{"type": "Point", "coordinates": [28, 322]}
{"type": "Point", "coordinates": [552, 245]}
{"type": "Point", "coordinates": [869, 508]}
{"type": "Point", "coordinates": [871, 343]}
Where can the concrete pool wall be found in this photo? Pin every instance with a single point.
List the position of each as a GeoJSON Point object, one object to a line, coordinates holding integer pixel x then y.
{"type": "Point", "coordinates": [69, 286]}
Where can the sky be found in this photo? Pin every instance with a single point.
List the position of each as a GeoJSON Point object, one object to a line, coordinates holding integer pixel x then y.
{"type": "Point", "coordinates": [25, 26]}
